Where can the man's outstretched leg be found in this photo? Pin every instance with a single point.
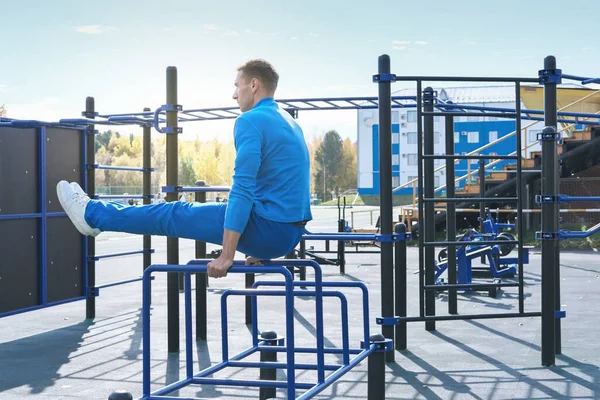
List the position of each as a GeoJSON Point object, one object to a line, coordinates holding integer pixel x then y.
{"type": "Point", "coordinates": [177, 219]}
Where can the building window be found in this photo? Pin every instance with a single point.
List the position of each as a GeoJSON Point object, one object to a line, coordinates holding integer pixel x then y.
{"type": "Point", "coordinates": [411, 138]}
{"type": "Point", "coordinates": [395, 181]}
{"type": "Point", "coordinates": [410, 178]}
{"type": "Point", "coordinates": [411, 116]}
{"type": "Point", "coordinates": [456, 137]}
{"type": "Point", "coordinates": [395, 117]}
{"type": "Point", "coordinates": [395, 138]}
{"type": "Point", "coordinates": [493, 136]}
{"type": "Point", "coordinates": [395, 159]}
{"type": "Point", "coordinates": [412, 159]}
{"type": "Point", "coordinates": [533, 135]}
{"type": "Point", "coordinates": [436, 181]}
{"type": "Point", "coordinates": [436, 137]}
{"type": "Point", "coordinates": [473, 137]}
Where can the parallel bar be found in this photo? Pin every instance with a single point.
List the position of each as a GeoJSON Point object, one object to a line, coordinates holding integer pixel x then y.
{"type": "Point", "coordinates": [250, 383]}
{"type": "Point", "coordinates": [118, 168]}
{"type": "Point", "coordinates": [204, 189]}
{"type": "Point", "coordinates": [308, 350]}
{"type": "Point", "coordinates": [278, 365]}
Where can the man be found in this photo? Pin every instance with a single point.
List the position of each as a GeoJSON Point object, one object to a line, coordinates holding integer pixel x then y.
{"type": "Point", "coordinates": [268, 204]}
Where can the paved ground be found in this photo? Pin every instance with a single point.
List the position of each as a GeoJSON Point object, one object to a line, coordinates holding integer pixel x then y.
{"type": "Point", "coordinates": [56, 354]}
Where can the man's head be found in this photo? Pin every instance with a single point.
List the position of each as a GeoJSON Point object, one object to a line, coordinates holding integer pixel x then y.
{"type": "Point", "coordinates": [256, 79]}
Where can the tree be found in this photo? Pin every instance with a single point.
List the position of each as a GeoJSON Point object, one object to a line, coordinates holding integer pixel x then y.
{"type": "Point", "coordinates": [347, 178]}
{"type": "Point", "coordinates": [328, 159]}
{"type": "Point", "coordinates": [2, 111]}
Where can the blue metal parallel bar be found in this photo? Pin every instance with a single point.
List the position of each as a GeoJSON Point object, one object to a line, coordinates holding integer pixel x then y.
{"type": "Point", "coordinates": [278, 365]}
{"type": "Point", "coordinates": [301, 293]}
{"type": "Point", "coordinates": [125, 253]}
{"type": "Point", "coordinates": [158, 394]}
{"type": "Point", "coordinates": [118, 168]}
{"type": "Point", "coordinates": [130, 120]}
{"type": "Point", "coordinates": [360, 285]}
{"type": "Point", "coordinates": [41, 306]}
{"type": "Point", "coordinates": [399, 78]}
{"type": "Point", "coordinates": [511, 110]}
{"type": "Point", "coordinates": [354, 236]}
{"type": "Point", "coordinates": [43, 227]}
{"type": "Point", "coordinates": [85, 121]}
{"type": "Point", "coordinates": [250, 383]}
{"type": "Point", "coordinates": [238, 267]}
{"type": "Point", "coordinates": [307, 350]}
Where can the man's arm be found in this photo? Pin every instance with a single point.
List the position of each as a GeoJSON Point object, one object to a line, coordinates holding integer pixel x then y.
{"type": "Point", "coordinates": [248, 143]}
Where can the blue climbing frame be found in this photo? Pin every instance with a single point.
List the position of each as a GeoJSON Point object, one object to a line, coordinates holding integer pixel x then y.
{"type": "Point", "coordinates": [370, 346]}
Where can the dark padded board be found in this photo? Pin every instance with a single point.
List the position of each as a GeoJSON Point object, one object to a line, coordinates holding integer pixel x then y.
{"type": "Point", "coordinates": [19, 264]}
{"type": "Point", "coordinates": [19, 171]}
{"type": "Point", "coordinates": [64, 260]}
{"type": "Point", "coordinates": [63, 162]}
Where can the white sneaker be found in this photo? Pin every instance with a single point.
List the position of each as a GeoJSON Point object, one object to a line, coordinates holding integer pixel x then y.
{"type": "Point", "coordinates": [74, 204]}
{"type": "Point", "coordinates": [77, 189]}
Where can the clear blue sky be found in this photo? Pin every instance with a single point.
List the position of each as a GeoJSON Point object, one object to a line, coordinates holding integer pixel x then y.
{"type": "Point", "coordinates": [55, 53]}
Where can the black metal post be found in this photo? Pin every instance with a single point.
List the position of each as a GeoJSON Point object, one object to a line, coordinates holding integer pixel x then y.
{"type": "Point", "coordinates": [269, 374]}
{"type": "Point", "coordinates": [147, 185]}
{"type": "Point", "coordinates": [172, 242]}
{"type": "Point", "coordinates": [376, 371]}
{"type": "Point", "coordinates": [550, 247]}
{"type": "Point", "coordinates": [429, 228]}
{"type": "Point", "coordinates": [341, 250]}
{"type": "Point", "coordinates": [451, 216]}
{"type": "Point", "coordinates": [385, 197]}
{"type": "Point", "coordinates": [401, 286]}
{"type": "Point", "coordinates": [90, 302]}
{"type": "Point", "coordinates": [201, 279]}
{"type": "Point", "coordinates": [520, 222]}
{"type": "Point", "coordinates": [482, 203]}
{"type": "Point", "coordinates": [250, 279]}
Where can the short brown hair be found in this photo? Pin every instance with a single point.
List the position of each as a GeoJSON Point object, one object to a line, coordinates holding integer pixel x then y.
{"type": "Point", "coordinates": [261, 70]}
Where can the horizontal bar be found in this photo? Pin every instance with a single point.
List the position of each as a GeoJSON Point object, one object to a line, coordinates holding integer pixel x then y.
{"type": "Point", "coordinates": [307, 350]}
{"type": "Point", "coordinates": [567, 199]}
{"type": "Point", "coordinates": [504, 109]}
{"type": "Point", "coordinates": [170, 388]}
{"type": "Point", "coordinates": [468, 157]}
{"type": "Point", "coordinates": [279, 365]}
{"type": "Point", "coordinates": [464, 79]}
{"type": "Point", "coordinates": [41, 306]}
{"type": "Point", "coordinates": [469, 114]}
{"type": "Point", "coordinates": [86, 121]}
{"type": "Point", "coordinates": [468, 286]}
{"type": "Point", "coordinates": [249, 383]}
{"type": "Point", "coordinates": [581, 79]}
{"type": "Point", "coordinates": [107, 285]}
{"type": "Point", "coordinates": [33, 215]}
{"type": "Point", "coordinates": [125, 253]}
{"type": "Point", "coordinates": [117, 168]}
{"type": "Point", "coordinates": [468, 317]}
{"type": "Point", "coordinates": [338, 236]}
{"type": "Point", "coordinates": [473, 242]}
{"type": "Point", "coordinates": [130, 119]}
{"type": "Point", "coordinates": [466, 199]}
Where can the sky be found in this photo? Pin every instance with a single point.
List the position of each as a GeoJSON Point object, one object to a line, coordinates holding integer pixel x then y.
{"type": "Point", "coordinates": [56, 53]}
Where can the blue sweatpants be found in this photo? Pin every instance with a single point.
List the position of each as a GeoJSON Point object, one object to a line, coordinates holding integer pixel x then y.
{"type": "Point", "coordinates": [262, 238]}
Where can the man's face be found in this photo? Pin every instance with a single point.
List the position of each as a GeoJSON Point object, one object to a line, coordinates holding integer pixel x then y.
{"type": "Point", "coordinates": [244, 93]}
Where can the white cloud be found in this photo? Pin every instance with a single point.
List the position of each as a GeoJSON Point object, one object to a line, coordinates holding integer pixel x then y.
{"type": "Point", "coordinates": [312, 34]}
{"type": "Point", "coordinates": [294, 38]}
{"type": "Point", "coordinates": [231, 33]}
{"type": "Point", "coordinates": [251, 32]}
{"type": "Point", "coordinates": [3, 88]}
{"type": "Point", "coordinates": [44, 110]}
{"type": "Point", "coordinates": [420, 42]}
{"type": "Point", "coordinates": [398, 47]}
{"type": "Point", "coordinates": [95, 29]}
{"type": "Point", "coordinates": [210, 27]}
{"type": "Point", "coordinates": [400, 42]}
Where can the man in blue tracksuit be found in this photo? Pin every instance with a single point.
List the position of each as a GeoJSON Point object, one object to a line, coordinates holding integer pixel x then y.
{"type": "Point", "coordinates": [269, 201]}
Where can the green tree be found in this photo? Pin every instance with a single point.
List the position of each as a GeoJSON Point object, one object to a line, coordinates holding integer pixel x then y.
{"type": "Point", "coordinates": [328, 159]}
{"type": "Point", "coordinates": [187, 176]}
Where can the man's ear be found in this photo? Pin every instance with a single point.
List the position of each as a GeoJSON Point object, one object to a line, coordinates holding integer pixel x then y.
{"type": "Point", "coordinates": [254, 84]}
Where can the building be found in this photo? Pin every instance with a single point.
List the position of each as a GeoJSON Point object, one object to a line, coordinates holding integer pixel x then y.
{"type": "Point", "coordinates": [470, 133]}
